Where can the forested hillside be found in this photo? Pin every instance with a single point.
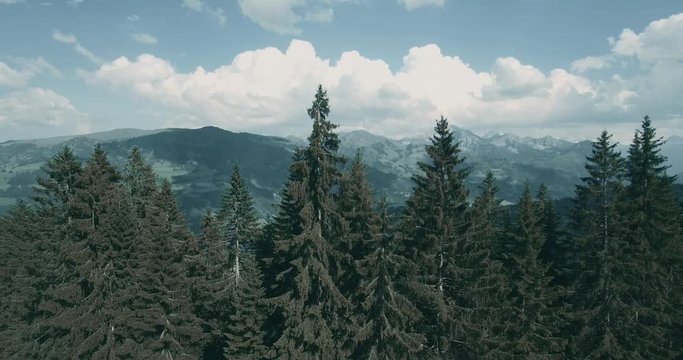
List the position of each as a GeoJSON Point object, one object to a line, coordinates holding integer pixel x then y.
{"type": "Point", "coordinates": [99, 262]}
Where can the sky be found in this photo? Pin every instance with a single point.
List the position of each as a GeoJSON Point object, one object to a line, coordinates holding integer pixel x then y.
{"type": "Point", "coordinates": [568, 69]}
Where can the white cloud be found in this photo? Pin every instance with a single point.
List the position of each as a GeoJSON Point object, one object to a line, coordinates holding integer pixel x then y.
{"type": "Point", "coordinates": [133, 17]}
{"type": "Point", "coordinates": [513, 79]}
{"type": "Point", "coordinates": [37, 112]}
{"type": "Point", "coordinates": [590, 63]}
{"type": "Point", "coordinates": [64, 38]}
{"type": "Point", "coordinates": [75, 3]}
{"type": "Point", "coordinates": [26, 70]}
{"type": "Point", "coordinates": [286, 16]}
{"type": "Point", "coordinates": [144, 38]}
{"type": "Point", "coordinates": [72, 40]}
{"type": "Point", "coordinates": [268, 90]}
{"type": "Point", "coordinates": [11, 2]}
{"type": "Point", "coordinates": [660, 41]}
{"type": "Point", "coordinates": [200, 6]}
{"type": "Point", "coordinates": [416, 4]}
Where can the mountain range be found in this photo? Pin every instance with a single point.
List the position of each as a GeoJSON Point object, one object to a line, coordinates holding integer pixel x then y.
{"type": "Point", "coordinates": [198, 162]}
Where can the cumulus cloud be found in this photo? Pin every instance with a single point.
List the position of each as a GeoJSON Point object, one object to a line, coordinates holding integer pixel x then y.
{"type": "Point", "coordinates": [38, 112]}
{"type": "Point", "coordinates": [286, 16]}
{"type": "Point", "coordinates": [133, 17]}
{"type": "Point", "coordinates": [72, 40]}
{"type": "Point", "coordinates": [268, 90]}
{"type": "Point", "coordinates": [416, 4]}
{"type": "Point", "coordinates": [200, 6]}
{"type": "Point", "coordinates": [25, 69]}
{"type": "Point", "coordinates": [144, 38]}
{"type": "Point", "coordinates": [11, 2]}
{"type": "Point", "coordinates": [590, 63]}
{"type": "Point", "coordinates": [660, 41]}
{"type": "Point", "coordinates": [513, 79]}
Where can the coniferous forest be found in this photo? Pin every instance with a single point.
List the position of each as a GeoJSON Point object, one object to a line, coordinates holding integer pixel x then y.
{"type": "Point", "coordinates": [100, 263]}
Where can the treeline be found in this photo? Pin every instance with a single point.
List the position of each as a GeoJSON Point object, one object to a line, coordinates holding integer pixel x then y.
{"type": "Point", "coordinates": [100, 264]}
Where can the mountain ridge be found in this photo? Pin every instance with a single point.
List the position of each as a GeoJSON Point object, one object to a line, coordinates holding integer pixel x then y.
{"type": "Point", "coordinates": [198, 161]}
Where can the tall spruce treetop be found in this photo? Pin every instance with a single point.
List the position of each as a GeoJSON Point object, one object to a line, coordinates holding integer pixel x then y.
{"type": "Point", "coordinates": [140, 181]}
{"type": "Point", "coordinates": [359, 221]}
{"type": "Point", "coordinates": [387, 328]}
{"type": "Point", "coordinates": [478, 293]}
{"type": "Point", "coordinates": [433, 224]}
{"type": "Point", "coordinates": [655, 234]}
{"type": "Point", "coordinates": [602, 255]}
{"type": "Point", "coordinates": [316, 314]}
{"type": "Point", "coordinates": [54, 192]}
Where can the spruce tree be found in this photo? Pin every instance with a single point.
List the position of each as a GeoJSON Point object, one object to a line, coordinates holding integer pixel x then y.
{"type": "Point", "coordinates": [140, 181]}
{"type": "Point", "coordinates": [53, 192]}
{"type": "Point", "coordinates": [316, 315]}
{"type": "Point", "coordinates": [534, 324]}
{"type": "Point", "coordinates": [238, 220]}
{"type": "Point", "coordinates": [433, 223]}
{"type": "Point", "coordinates": [244, 333]}
{"type": "Point", "coordinates": [207, 269]}
{"type": "Point", "coordinates": [387, 330]}
{"type": "Point", "coordinates": [479, 285]}
{"type": "Point", "coordinates": [357, 225]}
{"type": "Point", "coordinates": [161, 323]}
{"type": "Point", "coordinates": [654, 235]}
{"type": "Point", "coordinates": [21, 271]}
{"type": "Point", "coordinates": [76, 321]}
{"type": "Point", "coordinates": [602, 255]}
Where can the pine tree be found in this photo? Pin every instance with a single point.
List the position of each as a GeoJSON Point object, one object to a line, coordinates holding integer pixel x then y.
{"type": "Point", "coordinates": [556, 250]}
{"type": "Point", "coordinates": [160, 320]}
{"type": "Point", "coordinates": [601, 255]}
{"type": "Point", "coordinates": [433, 223]}
{"type": "Point", "coordinates": [479, 285]}
{"type": "Point", "coordinates": [316, 315]}
{"type": "Point", "coordinates": [76, 320]}
{"type": "Point", "coordinates": [357, 224]}
{"type": "Point", "coordinates": [534, 324]}
{"type": "Point", "coordinates": [22, 278]}
{"type": "Point", "coordinates": [387, 329]}
{"type": "Point", "coordinates": [245, 334]}
{"type": "Point", "coordinates": [140, 181]}
{"type": "Point", "coordinates": [54, 192]}
{"type": "Point", "coordinates": [207, 269]}
{"type": "Point", "coordinates": [654, 235]}
{"type": "Point", "coordinates": [238, 218]}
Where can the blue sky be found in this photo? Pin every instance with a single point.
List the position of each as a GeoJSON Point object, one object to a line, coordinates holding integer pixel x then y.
{"type": "Point", "coordinates": [567, 69]}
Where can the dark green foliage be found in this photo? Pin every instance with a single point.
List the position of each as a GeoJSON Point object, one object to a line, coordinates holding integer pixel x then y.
{"type": "Point", "coordinates": [433, 223]}
{"type": "Point", "coordinates": [387, 329]}
{"type": "Point", "coordinates": [102, 265]}
{"type": "Point", "coordinates": [602, 256]}
{"type": "Point", "coordinates": [238, 220]}
{"type": "Point", "coordinates": [316, 315]}
{"type": "Point", "coordinates": [207, 269]}
{"type": "Point", "coordinates": [140, 181]}
{"type": "Point", "coordinates": [654, 238]}
{"type": "Point", "coordinates": [358, 224]}
{"type": "Point", "coordinates": [161, 321]}
{"type": "Point", "coordinates": [244, 330]}
{"type": "Point", "coordinates": [54, 192]}
{"type": "Point", "coordinates": [478, 294]}
{"type": "Point", "coordinates": [244, 333]}
{"type": "Point", "coordinates": [534, 322]}
{"type": "Point", "coordinates": [21, 272]}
